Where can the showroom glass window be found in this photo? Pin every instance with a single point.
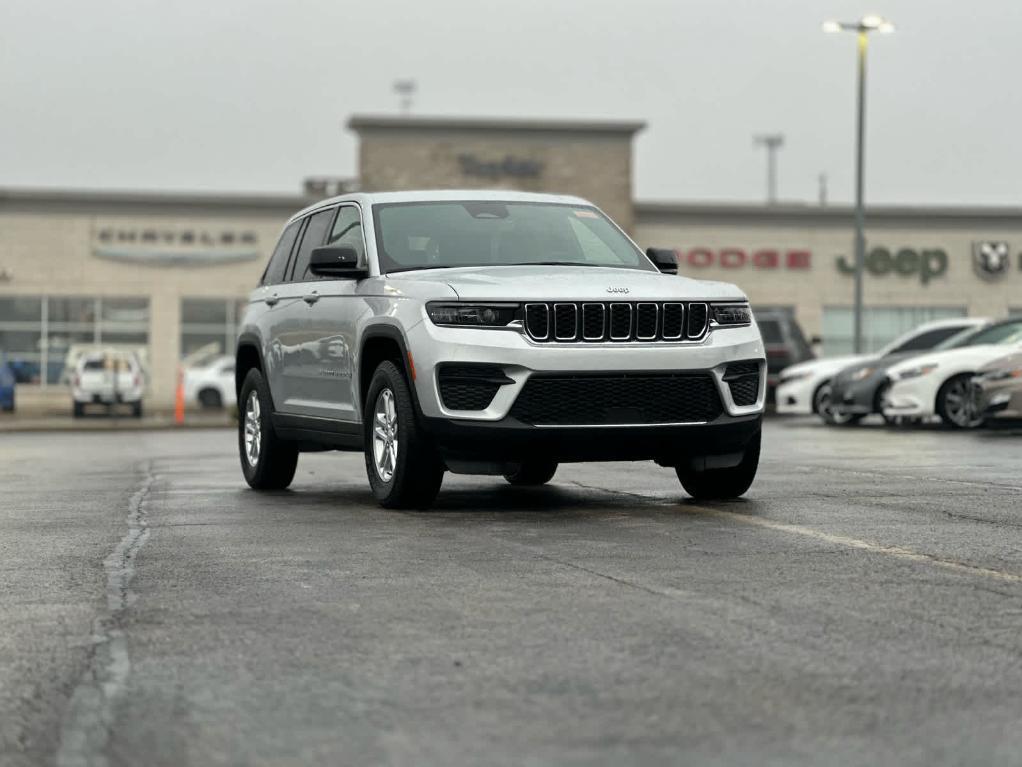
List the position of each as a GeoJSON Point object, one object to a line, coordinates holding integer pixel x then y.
{"type": "Point", "coordinates": [43, 335]}
{"type": "Point", "coordinates": [880, 325]}
{"type": "Point", "coordinates": [209, 327]}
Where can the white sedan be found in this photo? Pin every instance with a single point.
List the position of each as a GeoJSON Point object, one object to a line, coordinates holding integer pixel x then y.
{"type": "Point", "coordinates": [804, 388]}
{"type": "Point", "coordinates": [940, 383]}
{"type": "Point", "coordinates": [211, 386]}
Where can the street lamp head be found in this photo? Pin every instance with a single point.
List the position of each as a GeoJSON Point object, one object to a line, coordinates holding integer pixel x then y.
{"type": "Point", "coordinates": [869, 23]}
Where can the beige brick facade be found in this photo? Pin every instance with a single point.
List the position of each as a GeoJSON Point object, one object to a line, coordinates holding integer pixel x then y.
{"type": "Point", "coordinates": [590, 159]}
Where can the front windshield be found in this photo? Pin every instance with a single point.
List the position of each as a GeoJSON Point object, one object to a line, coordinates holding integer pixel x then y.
{"type": "Point", "coordinates": [434, 235]}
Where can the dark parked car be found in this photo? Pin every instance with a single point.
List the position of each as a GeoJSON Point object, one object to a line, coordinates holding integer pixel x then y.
{"type": "Point", "coordinates": [7, 384]}
{"type": "Point", "coordinates": [784, 341]}
{"type": "Point", "coordinates": [858, 390]}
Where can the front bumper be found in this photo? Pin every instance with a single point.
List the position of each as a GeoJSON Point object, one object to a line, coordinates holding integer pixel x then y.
{"type": "Point", "coordinates": [520, 358]}
{"type": "Point", "coordinates": [998, 401]}
{"type": "Point", "coordinates": [511, 441]}
{"type": "Point", "coordinates": [796, 397]}
{"type": "Point", "coordinates": [857, 397]}
{"type": "Point", "coordinates": [913, 397]}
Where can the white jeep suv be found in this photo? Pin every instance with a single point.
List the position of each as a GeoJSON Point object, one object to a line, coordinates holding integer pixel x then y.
{"type": "Point", "coordinates": [491, 333]}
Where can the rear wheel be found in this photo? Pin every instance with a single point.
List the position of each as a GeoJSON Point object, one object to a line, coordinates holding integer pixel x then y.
{"type": "Point", "coordinates": [954, 403]}
{"type": "Point", "coordinates": [78, 410]}
{"type": "Point", "coordinates": [136, 409]}
{"type": "Point", "coordinates": [404, 468]}
{"type": "Point", "coordinates": [723, 483]}
{"type": "Point", "coordinates": [537, 472]}
{"type": "Point", "coordinates": [267, 461]}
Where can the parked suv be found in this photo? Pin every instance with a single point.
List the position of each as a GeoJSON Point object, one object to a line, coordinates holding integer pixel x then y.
{"type": "Point", "coordinates": [491, 333]}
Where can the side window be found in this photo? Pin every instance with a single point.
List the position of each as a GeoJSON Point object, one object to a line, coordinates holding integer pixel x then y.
{"type": "Point", "coordinates": [928, 340]}
{"type": "Point", "coordinates": [278, 261]}
{"type": "Point", "coordinates": [348, 231]}
{"type": "Point", "coordinates": [315, 234]}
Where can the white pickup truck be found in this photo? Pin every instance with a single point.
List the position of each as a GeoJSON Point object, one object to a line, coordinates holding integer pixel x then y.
{"type": "Point", "coordinates": [107, 378]}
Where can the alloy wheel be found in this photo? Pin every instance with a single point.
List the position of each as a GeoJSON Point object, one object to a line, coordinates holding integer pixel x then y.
{"type": "Point", "coordinates": [958, 404]}
{"type": "Point", "coordinates": [385, 437]}
{"type": "Point", "coordinates": [253, 429]}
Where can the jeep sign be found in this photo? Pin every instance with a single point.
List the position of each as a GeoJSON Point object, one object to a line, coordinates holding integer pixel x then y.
{"type": "Point", "coordinates": [907, 262]}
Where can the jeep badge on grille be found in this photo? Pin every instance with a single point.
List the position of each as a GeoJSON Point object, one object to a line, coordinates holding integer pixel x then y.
{"type": "Point", "coordinates": [617, 290]}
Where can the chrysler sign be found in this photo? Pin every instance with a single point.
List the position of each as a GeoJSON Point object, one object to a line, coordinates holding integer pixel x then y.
{"type": "Point", "coordinates": [171, 246]}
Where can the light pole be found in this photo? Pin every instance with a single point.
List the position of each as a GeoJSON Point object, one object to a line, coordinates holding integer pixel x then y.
{"type": "Point", "coordinates": [862, 28]}
{"type": "Point", "coordinates": [772, 142]}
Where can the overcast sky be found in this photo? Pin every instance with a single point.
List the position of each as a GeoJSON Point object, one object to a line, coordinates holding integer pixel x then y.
{"type": "Point", "coordinates": [251, 95]}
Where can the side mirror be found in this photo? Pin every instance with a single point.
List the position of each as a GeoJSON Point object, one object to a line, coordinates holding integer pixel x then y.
{"type": "Point", "coordinates": [663, 259]}
{"type": "Point", "coordinates": [336, 261]}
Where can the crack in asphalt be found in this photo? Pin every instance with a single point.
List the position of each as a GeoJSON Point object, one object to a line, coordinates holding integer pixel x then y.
{"type": "Point", "coordinates": [85, 729]}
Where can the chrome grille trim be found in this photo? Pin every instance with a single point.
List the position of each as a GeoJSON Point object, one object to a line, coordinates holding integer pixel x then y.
{"type": "Point", "coordinates": [558, 336]}
{"type": "Point", "coordinates": [618, 321]}
{"type": "Point", "coordinates": [639, 318]}
{"type": "Point", "coordinates": [532, 334]}
{"type": "Point", "coordinates": [681, 322]}
{"type": "Point", "coordinates": [588, 309]}
{"type": "Point", "coordinates": [620, 307]}
{"type": "Point", "coordinates": [698, 332]}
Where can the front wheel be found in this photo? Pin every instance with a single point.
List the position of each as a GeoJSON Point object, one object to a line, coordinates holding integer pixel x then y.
{"type": "Point", "coordinates": [532, 473]}
{"type": "Point", "coordinates": [404, 468]}
{"type": "Point", "coordinates": [267, 461]}
{"type": "Point", "coordinates": [723, 484]}
{"type": "Point", "coordinates": [823, 404]}
{"type": "Point", "coordinates": [955, 405]}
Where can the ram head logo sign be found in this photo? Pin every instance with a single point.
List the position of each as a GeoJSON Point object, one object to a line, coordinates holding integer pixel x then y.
{"type": "Point", "coordinates": [991, 259]}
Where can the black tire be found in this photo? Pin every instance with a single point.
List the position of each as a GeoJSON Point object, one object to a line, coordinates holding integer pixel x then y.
{"type": "Point", "coordinates": [210, 399]}
{"type": "Point", "coordinates": [532, 473]}
{"type": "Point", "coordinates": [723, 484]}
{"type": "Point", "coordinates": [823, 407]}
{"type": "Point", "coordinates": [275, 460]}
{"type": "Point", "coordinates": [78, 410]}
{"type": "Point", "coordinates": [136, 410]}
{"type": "Point", "coordinates": [416, 471]}
{"type": "Point", "coordinates": [954, 403]}
{"type": "Point", "coordinates": [878, 403]}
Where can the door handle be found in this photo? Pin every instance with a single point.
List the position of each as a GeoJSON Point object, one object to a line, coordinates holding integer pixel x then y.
{"type": "Point", "coordinates": [272, 300]}
{"type": "Point", "coordinates": [311, 298]}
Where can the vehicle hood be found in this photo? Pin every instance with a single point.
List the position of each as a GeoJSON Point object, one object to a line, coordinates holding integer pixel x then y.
{"type": "Point", "coordinates": [956, 360]}
{"type": "Point", "coordinates": [591, 283]}
{"type": "Point", "coordinates": [824, 367]}
{"type": "Point", "coordinates": [1009, 361]}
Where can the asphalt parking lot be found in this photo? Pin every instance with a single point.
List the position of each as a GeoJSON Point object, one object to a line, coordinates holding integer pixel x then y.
{"type": "Point", "coordinates": [862, 607]}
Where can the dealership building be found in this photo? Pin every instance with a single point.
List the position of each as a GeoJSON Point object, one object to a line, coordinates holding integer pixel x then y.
{"type": "Point", "coordinates": [168, 273]}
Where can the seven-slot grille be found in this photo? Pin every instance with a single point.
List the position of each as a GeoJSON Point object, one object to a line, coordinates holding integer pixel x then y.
{"type": "Point", "coordinates": [617, 321]}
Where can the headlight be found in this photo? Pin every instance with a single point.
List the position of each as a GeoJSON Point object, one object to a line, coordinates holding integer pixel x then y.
{"type": "Point", "coordinates": [472, 315]}
{"type": "Point", "coordinates": [862, 373]}
{"type": "Point", "coordinates": [1002, 374]}
{"type": "Point", "coordinates": [732, 314]}
{"type": "Point", "coordinates": [922, 370]}
{"type": "Point", "coordinates": [789, 377]}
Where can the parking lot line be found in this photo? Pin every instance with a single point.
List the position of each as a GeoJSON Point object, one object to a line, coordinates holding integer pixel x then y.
{"type": "Point", "coordinates": [896, 552]}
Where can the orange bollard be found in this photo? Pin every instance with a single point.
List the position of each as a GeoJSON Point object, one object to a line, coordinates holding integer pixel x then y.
{"type": "Point", "coordinates": [179, 398]}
